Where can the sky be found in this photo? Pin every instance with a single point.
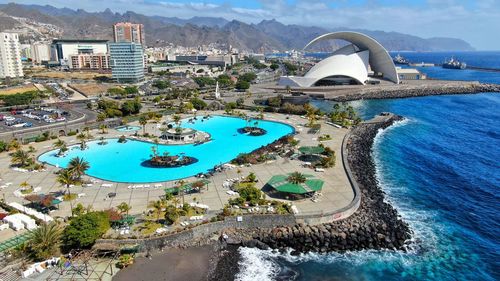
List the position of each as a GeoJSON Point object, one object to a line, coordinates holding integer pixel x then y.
{"type": "Point", "coordinates": [477, 22]}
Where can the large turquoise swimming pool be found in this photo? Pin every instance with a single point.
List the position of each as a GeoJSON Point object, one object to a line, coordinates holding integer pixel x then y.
{"type": "Point", "coordinates": [121, 162]}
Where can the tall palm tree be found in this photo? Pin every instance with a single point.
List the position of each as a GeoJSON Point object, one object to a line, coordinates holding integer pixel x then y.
{"type": "Point", "coordinates": [45, 241]}
{"type": "Point", "coordinates": [59, 143]}
{"type": "Point", "coordinates": [82, 137]}
{"type": "Point", "coordinates": [103, 128]}
{"type": "Point", "coordinates": [143, 121]}
{"type": "Point", "coordinates": [66, 179]}
{"type": "Point", "coordinates": [180, 185]}
{"type": "Point", "coordinates": [123, 207]}
{"type": "Point", "coordinates": [21, 158]}
{"type": "Point", "coordinates": [158, 207]}
{"type": "Point", "coordinates": [296, 178]}
{"type": "Point", "coordinates": [177, 119]}
{"type": "Point", "coordinates": [77, 166]}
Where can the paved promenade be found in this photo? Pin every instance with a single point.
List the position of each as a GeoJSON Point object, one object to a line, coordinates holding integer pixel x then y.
{"type": "Point", "coordinates": [337, 192]}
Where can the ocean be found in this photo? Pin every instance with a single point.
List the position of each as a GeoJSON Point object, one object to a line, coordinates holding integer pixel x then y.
{"type": "Point", "coordinates": [440, 168]}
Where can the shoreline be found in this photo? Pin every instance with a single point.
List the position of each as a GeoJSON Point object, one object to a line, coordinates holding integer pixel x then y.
{"type": "Point", "coordinates": [419, 88]}
{"type": "Point", "coordinates": [375, 225]}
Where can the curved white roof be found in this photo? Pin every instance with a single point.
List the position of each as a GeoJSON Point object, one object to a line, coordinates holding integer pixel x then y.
{"type": "Point", "coordinates": [379, 58]}
{"type": "Point", "coordinates": [347, 64]}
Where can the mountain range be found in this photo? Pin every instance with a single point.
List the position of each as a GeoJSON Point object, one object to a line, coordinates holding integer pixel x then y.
{"type": "Point", "coordinates": [47, 22]}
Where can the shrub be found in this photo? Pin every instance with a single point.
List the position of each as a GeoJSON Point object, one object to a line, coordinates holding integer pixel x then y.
{"type": "Point", "coordinates": [161, 84]}
{"type": "Point", "coordinates": [242, 85]}
{"type": "Point", "coordinates": [198, 104]}
{"type": "Point", "coordinates": [171, 215]}
{"type": "Point", "coordinates": [84, 230]}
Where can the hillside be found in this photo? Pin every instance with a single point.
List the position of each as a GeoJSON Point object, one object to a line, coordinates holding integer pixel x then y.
{"type": "Point", "coordinates": [265, 36]}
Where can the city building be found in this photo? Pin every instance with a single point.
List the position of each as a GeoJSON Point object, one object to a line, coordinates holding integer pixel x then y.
{"type": "Point", "coordinates": [10, 55]}
{"type": "Point", "coordinates": [129, 32]}
{"type": "Point", "coordinates": [127, 62]}
{"type": "Point", "coordinates": [180, 68]}
{"type": "Point", "coordinates": [349, 65]}
{"type": "Point", "coordinates": [216, 60]}
{"type": "Point", "coordinates": [25, 52]}
{"type": "Point", "coordinates": [40, 52]}
{"type": "Point", "coordinates": [63, 49]}
{"type": "Point", "coordinates": [90, 61]}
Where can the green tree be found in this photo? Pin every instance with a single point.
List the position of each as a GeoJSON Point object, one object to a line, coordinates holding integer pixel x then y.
{"type": "Point", "coordinates": [177, 119]}
{"type": "Point", "coordinates": [157, 206]}
{"type": "Point", "coordinates": [66, 179]}
{"type": "Point", "coordinates": [274, 66]}
{"type": "Point", "coordinates": [248, 77]}
{"type": "Point", "coordinates": [131, 90]}
{"type": "Point", "coordinates": [45, 241]}
{"type": "Point", "coordinates": [123, 207]}
{"type": "Point", "coordinates": [161, 84]}
{"type": "Point", "coordinates": [172, 214]}
{"type": "Point", "coordinates": [21, 158]}
{"type": "Point", "coordinates": [296, 178]}
{"type": "Point", "coordinates": [198, 103]}
{"type": "Point", "coordinates": [84, 230]}
{"type": "Point", "coordinates": [251, 177]}
{"type": "Point", "coordinates": [77, 166]}
{"type": "Point", "coordinates": [143, 121]}
{"type": "Point", "coordinates": [242, 85]}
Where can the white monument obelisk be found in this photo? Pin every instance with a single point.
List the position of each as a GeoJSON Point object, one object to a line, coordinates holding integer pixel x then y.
{"type": "Point", "coordinates": [217, 94]}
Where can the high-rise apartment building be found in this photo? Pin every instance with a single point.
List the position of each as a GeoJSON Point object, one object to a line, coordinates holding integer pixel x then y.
{"type": "Point", "coordinates": [129, 32]}
{"type": "Point", "coordinates": [40, 52]}
{"type": "Point", "coordinates": [127, 62]}
{"type": "Point", "coordinates": [10, 55]}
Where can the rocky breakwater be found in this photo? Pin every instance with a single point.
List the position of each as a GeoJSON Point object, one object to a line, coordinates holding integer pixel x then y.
{"type": "Point", "coordinates": [430, 88]}
{"type": "Point", "coordinates": [375, 225]}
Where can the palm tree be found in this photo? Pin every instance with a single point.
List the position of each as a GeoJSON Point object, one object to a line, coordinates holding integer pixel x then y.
{"type": "Point", "coordinates": [59, 143]}
{"type": "Point", "coordinates": [296, 178]}
{"type": "Point", "coordinates": [180, 189]}
{"type": "Point", "coordinates": [78, 167]}
{"type": "Point", "coordinates": [176, 201]}
{"type": "Point", "coordinates": [14, 144]}
{"type": "Point", "coordinates": [45, 241]}
{"type": "Point", "coordinates": [143, 121]}
{"type": "Point", "coordinates": [65, 178]}
{"type": "Point", "coordinates": [177, 119]}
{"type": "Point", "coordinates": [103, 128]}
{"type": "Point", "coordinates": [21, 158]}
{"type": "Point", "coordinates": [123, 207]}
{"type": "Point", "coordinates": [82, 137]}
{"type": "Point", "coordinates": [158, 207]}
{"type": "Point", "coordinates": [125, 122]}
{"type": "Point", "coordinates": [87, 132]}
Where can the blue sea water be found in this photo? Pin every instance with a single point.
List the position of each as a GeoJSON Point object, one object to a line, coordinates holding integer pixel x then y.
{"type": "Point", "coordinates": [122, 162]}
{"type": "Point", "coordinates": [441, 169]}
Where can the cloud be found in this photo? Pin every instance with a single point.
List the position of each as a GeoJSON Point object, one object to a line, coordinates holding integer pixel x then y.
{"type": "Point", "coordinates": [469, 20]}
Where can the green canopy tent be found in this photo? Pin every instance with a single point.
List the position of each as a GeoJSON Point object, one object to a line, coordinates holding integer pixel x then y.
{"type": "Point", "coordinates": [311, 149]}
{"type": "Point", "coordinates": [282, 184]}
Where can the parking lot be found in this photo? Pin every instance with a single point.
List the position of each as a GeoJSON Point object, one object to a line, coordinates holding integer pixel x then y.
{"type": "Point", "coordinates": [36, 117]}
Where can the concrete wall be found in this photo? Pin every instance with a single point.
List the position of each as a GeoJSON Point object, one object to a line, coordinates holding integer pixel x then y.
{"type": "Point", "coordinates": [205, 230]}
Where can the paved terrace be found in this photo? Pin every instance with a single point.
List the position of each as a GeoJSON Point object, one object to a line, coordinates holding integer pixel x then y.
{"type": "Point", "coordinates": [337, 192]}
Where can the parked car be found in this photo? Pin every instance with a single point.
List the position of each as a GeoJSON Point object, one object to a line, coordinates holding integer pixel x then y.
{"type": "Point", "coordinates": [28, 124]}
